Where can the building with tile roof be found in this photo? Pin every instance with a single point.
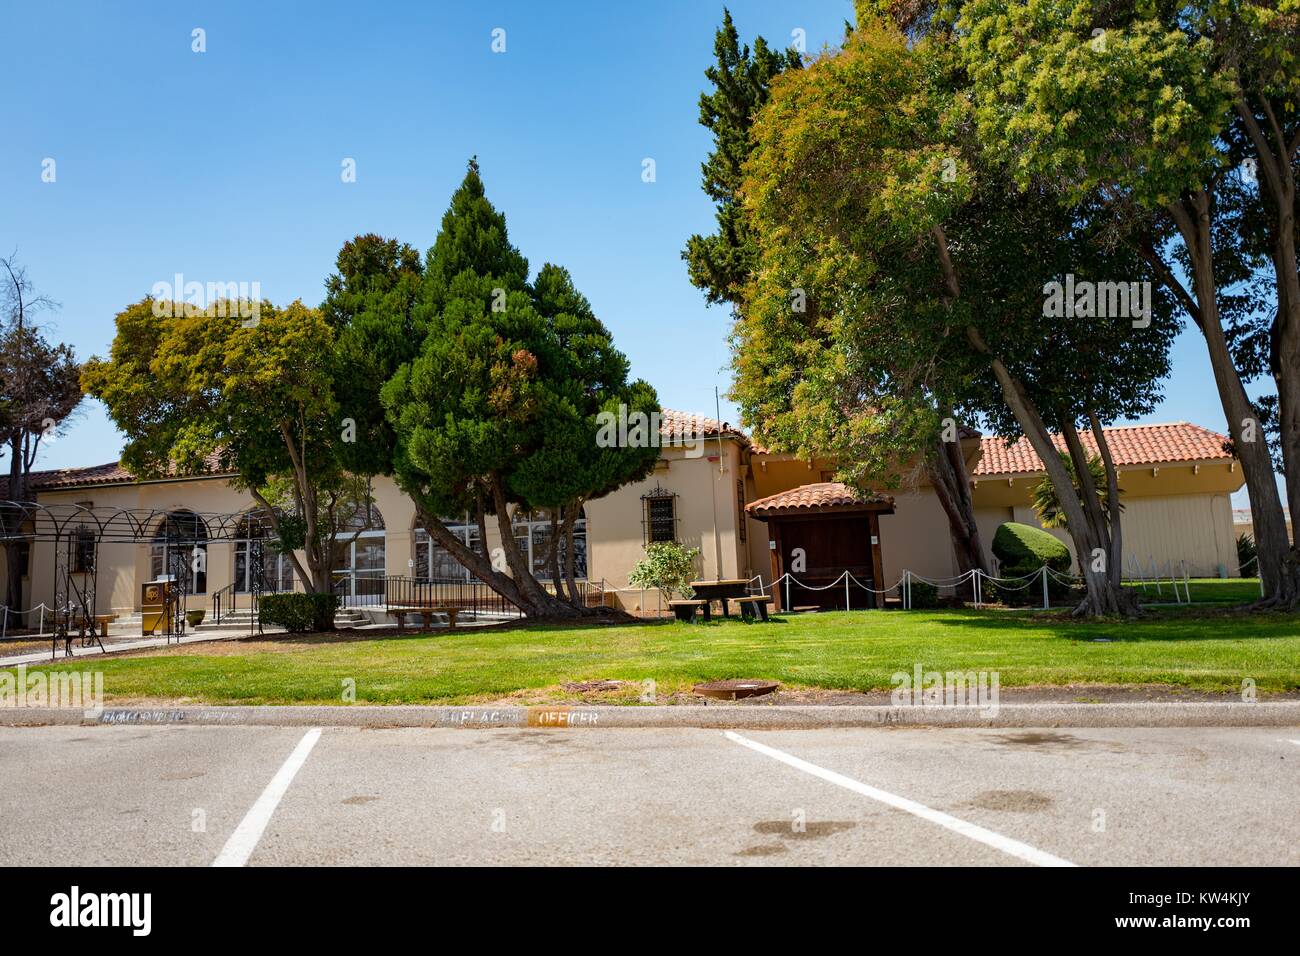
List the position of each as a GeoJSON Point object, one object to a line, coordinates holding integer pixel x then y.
{"type": "Point", "coordinates": [715, 490]}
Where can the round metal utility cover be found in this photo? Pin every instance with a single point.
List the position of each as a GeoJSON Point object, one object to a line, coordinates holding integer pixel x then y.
{"type": "Point", "coordinates": [735, 688]}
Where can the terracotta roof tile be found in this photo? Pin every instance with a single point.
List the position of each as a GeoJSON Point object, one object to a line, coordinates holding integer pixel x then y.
{"type": "Point", "coordinates": [676, 425]}
{"type": "Point", "coordinates": [1129, 445]}
{"type": "Point", "coordinates": [107, 474]}
{"type": "Point", "coordinates": [673, 426]}
{"type": "Point", "coordinates": [821, 496]}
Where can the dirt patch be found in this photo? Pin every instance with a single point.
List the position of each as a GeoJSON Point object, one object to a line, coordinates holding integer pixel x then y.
{"type": "Point", "coordinates": [812, 830]}
{"type": "Point", "coordinates": [594, 686]}
{"type": "Point", "coordinates": [1055, 740]}
{"type": "Point", "coordinates": [763, 849]}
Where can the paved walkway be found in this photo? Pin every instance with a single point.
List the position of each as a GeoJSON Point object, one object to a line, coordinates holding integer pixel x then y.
{"type": "Point", "coordinates": [124, 642]}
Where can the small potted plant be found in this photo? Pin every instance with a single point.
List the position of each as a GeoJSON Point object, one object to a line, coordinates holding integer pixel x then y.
{"type": "Point", "coordinates": [669, 567]}
{"type": "Point", "coordinates": [195, 618]}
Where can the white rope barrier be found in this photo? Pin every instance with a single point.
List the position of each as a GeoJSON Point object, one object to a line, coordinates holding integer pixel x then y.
{"type": "Point", "coordinates": [1179, 578]}
{"type": "Point", "coordinates": [42, 607]}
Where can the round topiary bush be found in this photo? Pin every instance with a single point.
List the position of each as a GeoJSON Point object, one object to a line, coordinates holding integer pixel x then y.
{"type": "Point", "coordinates": [1022, 549]}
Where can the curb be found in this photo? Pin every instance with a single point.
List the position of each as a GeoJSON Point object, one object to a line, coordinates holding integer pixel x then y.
{"type": "Point", "coordinates": [719, 717]}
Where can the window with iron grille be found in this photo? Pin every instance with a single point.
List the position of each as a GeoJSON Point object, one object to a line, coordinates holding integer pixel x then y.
{"type": "Point", "coordinates": [660, 519]}
{"type": "Point", "coordinates": [83, 551]}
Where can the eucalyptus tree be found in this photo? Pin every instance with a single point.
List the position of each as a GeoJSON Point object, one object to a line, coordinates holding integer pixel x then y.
{"type": "Point", "coordinates": [923, 274]}
{"type": "Point", "coordinates": [1178, 122]}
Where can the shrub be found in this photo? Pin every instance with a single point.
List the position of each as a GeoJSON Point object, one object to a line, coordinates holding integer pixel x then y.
{"type": "Point", "coordinates": [297, 613]}
{"type": "Point", "coordinates": [667, 566]}
{"type": "Point", "coordinates": [1246, 551]}
{"type": "Point", "coordinates": [195, 618]}
{"type": "Point", "coordinates": [1022, 549]}
{"type": "Point", "coordinates": [924, 595]}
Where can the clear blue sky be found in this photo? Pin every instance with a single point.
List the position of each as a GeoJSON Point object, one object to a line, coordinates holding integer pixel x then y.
{"type": "Point", "coordinates": [225, 165]}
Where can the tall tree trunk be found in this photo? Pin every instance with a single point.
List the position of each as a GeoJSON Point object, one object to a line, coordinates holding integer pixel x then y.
{"type": "Point", "coordinates": [1087, 490]}
{"type": "Point", "coordinates": [1113, 504]}
{"type": "Point", "coordinates": [553, 557]}
{"type": "Point", "coordinates": [13, 521]}
{"type": "Point", "coordinates": [946, 468]}
{"type": "Point", "coordinates": [1276, 157]}
{"type": "Point", "coordinates": [536, 599]}
{"type": "Point", "coordinates": [1101, 598]}
{"type": "Point", "coordinates": [480, 565]}
{"type": "Point", "coordinates": [1277, 567]}
{"type": "Point", "coordinates": [571, 519]}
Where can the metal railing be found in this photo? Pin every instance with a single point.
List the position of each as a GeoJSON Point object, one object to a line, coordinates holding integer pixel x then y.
{"type": "Point", "coordinates": [473, 597]}
{"type": "Point", "coordinates": [223, 602]}
{"type": "Point", "coordinates": [590, 593]}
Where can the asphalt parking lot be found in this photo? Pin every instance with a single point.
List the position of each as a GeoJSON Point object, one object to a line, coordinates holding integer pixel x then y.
{"type": "Point", "coordinates": [195, 795]}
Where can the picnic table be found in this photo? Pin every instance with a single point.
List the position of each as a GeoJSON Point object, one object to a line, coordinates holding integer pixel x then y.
{"type": "Point", "coordinates": [721, 591]}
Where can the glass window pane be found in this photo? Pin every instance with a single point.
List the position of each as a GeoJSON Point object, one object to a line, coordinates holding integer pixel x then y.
{"type": "Point", "coordinates": [370, 554]}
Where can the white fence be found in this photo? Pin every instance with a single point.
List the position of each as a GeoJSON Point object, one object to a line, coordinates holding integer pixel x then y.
{"type": "Point", "coordinates": [1171, 580]}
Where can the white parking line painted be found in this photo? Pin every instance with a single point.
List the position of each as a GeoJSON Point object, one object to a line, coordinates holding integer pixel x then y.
{"type": "Point", "coordinates": [1007, 845]}
{"type": "Point", "coordinates": [243, 841]}
{"type": "Point", "coordinates": [1296, 742]}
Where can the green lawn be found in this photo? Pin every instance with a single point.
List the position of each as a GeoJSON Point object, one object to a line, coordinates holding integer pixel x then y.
{"type": "Point", "coordinates": [856, 650]}
{"type": "Point", "coordinates": [1223, 592]}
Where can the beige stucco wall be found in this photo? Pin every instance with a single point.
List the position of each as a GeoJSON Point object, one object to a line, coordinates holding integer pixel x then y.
{"type": "Point", "coordinates": [708, 518]}
{"type": "Point", "coordinates": [1172, 513]}
{"type": "Point", "coordinates": [1169, 530]}
{"type": "Point", "coordinates": [1175, 513]}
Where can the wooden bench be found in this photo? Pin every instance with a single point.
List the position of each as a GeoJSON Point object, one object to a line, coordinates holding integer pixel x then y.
{"type": "Point", "coordinates": [426, 615]}
{"type": "Point", "coordinates": [751, 603]}
{"type": "Point", "coordinates": [101, 622]}
{"type": "Point", "coordinates": [686, 610]}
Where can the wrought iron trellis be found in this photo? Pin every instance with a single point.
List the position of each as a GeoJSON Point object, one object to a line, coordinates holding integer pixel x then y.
{"type": "Point", "coordinates": [77, 532]}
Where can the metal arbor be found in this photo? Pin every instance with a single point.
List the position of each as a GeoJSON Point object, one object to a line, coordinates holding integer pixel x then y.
{"type": "Point", "coordinates": [77, 532]}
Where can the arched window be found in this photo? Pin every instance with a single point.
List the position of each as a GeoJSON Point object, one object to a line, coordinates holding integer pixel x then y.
{"type": "Point", "coordinates": [434, 562]}
{"type": "Point", "coordinates": [533, 536]}
{"type": "Point", "coordinates": [180, 551]}
{"type": "Point", "coordinates": [359, 555]}
{"type": "Point", "coordinates": [277, 569]}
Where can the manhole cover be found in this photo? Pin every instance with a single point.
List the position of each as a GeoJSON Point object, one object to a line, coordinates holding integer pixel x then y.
{"type": "Point", "coordinates": [735, 689]}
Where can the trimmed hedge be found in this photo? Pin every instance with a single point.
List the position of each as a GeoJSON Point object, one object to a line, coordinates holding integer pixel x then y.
{"type": "Point", "coordinates": [1028, 548]}
{"type": "Point", "coordinates": [298, 613]}
{"type": "Point", "coordinates": [1022, 549]}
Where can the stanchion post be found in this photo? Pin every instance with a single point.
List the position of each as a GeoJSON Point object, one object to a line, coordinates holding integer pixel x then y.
{"type": "Point", "coordinates": [1046, 603]}
{"type": "Point", "coordinates": [847, 605]}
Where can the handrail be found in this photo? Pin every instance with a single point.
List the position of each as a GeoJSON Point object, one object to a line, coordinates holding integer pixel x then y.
{"type": "Point", "coordinates": [217, 600]}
